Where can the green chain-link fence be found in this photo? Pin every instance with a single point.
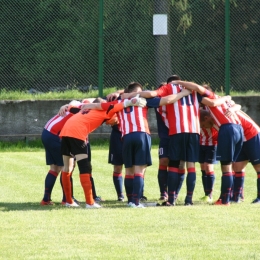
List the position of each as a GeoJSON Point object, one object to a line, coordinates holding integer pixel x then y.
{"type": "Point", "coordinates": [52, 45]}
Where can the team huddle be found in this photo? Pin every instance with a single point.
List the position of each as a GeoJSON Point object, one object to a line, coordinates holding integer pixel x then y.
{"type": "Point", "coordinates": [194, 125]}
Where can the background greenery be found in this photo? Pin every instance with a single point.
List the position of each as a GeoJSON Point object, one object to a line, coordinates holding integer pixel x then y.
{"type": "Point", "coordinates": [31, 231]}
{"type": "Point", "coordinates": [53, 45]}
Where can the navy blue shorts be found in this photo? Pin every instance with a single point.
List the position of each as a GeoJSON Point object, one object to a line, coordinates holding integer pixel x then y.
{"type": "Point", "coordinates": [72, 146]}
{"type": "Point", "coordinates": [137, 149]}
{"type": "Point", "coordinates": [230, 141]}
{"type": "Point", "coordinates": [250, 151]}
{"type": "Point", "coordinates": [52, 146]}
{"type": "Point", "coordinates": [208, 154]}
{"type": "Point", "coordinates": [184, 147]}
{"type": "Point", "coordinates": [115, 156]}
{"type": "Point", "coordinates": [163, 149]}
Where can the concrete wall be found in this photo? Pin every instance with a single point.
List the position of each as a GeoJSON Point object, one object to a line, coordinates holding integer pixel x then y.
{"type": "Point", "coordinates": [20, 119]}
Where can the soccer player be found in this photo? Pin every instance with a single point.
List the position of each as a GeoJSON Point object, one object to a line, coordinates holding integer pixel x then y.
{"type": "Point", "coordinates": [73, 143]}
{"type": "Point", "coordinates": [230, 136]}
{"type": "Point", "coordinates": [249, 152]}
{"type": "Point", "coordinates": [184, 130]}
{"type": "Point", "coordinates": [207, 159]}
{"type": "Point", "coordinates": [52, 145]}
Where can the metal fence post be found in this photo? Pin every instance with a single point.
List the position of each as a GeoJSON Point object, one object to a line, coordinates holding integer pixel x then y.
{"type": "Point", "coordinates": [100, 49]}
{"type": "Point", "coordinates": [227, 47]}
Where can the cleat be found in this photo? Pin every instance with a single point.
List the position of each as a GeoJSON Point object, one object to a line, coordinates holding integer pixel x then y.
{"type": "Point", "coordinates": [188, 203]}
{"type": "Point", "coordinates": [76, 200]}
{"type": "Point", "coordinates": [93, 206]}
{"type": "Point", "coordinates": [236, 201]}
{"type": "Point", "coordinates": [72, 205]}
{"type": "Point", "coordinates": [121, 198]}
{"type": "Point", "coordinates": [98, 199]}
{"type": "Point", "coordinates": [219, 203]}
{"type": "Point", "coordinates": [256, 201]}
{"type": "Point", "coordinates": [143, 198]}
{"type": "Point", "coordinates": [207, 199]}
{"type": "Point", "coordinates": [63, 203]}
{"type": "Point", "coordinates": [167, 204]}
{"type": "Point", "coordinates": [132, 205]}
{"type": "Point", "coordinates": [164, 198]}
{"type": "Point", "coordinates": [46, 203]}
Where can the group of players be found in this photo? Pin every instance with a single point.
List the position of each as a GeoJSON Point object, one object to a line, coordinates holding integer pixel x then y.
{"type": "Point", "coordinates": [194, 125]}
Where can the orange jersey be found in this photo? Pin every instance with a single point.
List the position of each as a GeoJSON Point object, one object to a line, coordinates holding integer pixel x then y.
{"type": "Point", "coordinates": [85, 122]}
{"type": "Point", "coordinates": [82, 124]}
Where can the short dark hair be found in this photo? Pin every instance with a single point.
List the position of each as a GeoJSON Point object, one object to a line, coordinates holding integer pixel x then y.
{"type": "Point", "coordinates": [132, 87]}
{"type": "Point", "coordinates": [98, 100]}
{"type": "Point", "coordinates": [173, 77]}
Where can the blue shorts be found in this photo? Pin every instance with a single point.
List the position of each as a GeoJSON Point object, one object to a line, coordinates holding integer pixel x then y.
{"type": "Point", "coordinates": [163, 150]}
{"type": "Point", "coordinates": [230, 141]}
{"type": "Point", "coordinates": [184, 147]}
{"type": "Point", "coordinates": [115, 156]}
{"type": "Point", "coordinates": [52, 146]}
{"type": "Point", "coordinates": [250, 151]}
{"type": "Point", "coordinates": [136, 149]}
{"type": "Point", "coordinates": [208, 154]}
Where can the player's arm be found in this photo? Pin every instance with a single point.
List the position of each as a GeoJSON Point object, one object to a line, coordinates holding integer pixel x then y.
{"type": "Point", "coordinates": [96, 106]}
{"type": "Point", "coordinates": [115, 95]}
{"type": "Point", "coordinates": [214, 102]}
{"type": "Point", "coordinates": [233, 109]}
{"type": "Point", "coordinates": [191, 86]}
{"type": "Point", "coordinates": [174, 97]}
{"type": "Point", "coordinates": [144, 94]}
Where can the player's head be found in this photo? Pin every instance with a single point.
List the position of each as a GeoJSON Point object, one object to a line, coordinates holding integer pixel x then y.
{"type": "Point", "coordinates": [99, 100]}
{"type": "Point", "coordinates": [133, 87]}
{"type": "Point", "coordinates": [173, 77]}
{"type": "Point", "coordinates": [208, 87]}
{"type": "Point", "coordinates": [162, 84]}
{"type": "Point", "coordinates": [206, 120]}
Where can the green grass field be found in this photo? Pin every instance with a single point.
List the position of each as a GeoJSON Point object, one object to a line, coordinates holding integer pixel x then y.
{"type": "Point", "coordinates": [31, 231]}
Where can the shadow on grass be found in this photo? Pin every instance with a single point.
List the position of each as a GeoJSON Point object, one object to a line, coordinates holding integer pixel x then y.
{"type": "Point", "coordinates": [26, 206]}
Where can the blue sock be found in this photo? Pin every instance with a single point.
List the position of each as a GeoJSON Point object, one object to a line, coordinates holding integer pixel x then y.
{"type": "Point", "coordinates": [49, 184]}
{"type": "Point", "coordinates": [190, 182]}
{"type": "Point", "coordinates": [181, 177]}
{"type": "Point", "coordinates": [173, 177]}
{"type": "Point", "coordinates": [162, 179]}
{"type": "Point", "coordinates": [204, 180]}
{"type": "Point", "coordinates": [118, 183]}
{"type": "Point", "coordinates": [129, 182]}
{"type": "Point", "coordinates": [226, 185]}
{"type": "Point", "coordinates": [138, 184]}
{"type": "Point", "coordinates": [210, 183]}
{"type": "Point", "coordinates": [238, 185]}
{"type": "Point", "coordinates": [258, 185]}
{"type": "Point", "coordinates": [93, 187]}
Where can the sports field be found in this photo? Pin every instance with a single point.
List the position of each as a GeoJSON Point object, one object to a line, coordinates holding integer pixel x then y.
{"type": "Point", "coordinates": [31, 231]}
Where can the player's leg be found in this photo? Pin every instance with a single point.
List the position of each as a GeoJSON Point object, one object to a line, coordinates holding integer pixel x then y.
{"type": "Point", "coordinates": [141, 146]}
{"type": "Point", "coordinates": [192, 156]}
{"type": "Point", "coordinates": [163, 168]}
{"type": "Point", "coordinates": [52, 146]}
{"type": "Point", "coordinates": [230, 141]}
{"type": "Point", "coordinates": [115, 158]}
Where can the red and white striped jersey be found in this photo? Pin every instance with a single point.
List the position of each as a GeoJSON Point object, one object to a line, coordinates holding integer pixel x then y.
{"type": "Point", "coordinates": [162, 110]}
{"type": "Point", "coordinates": [55, 124]}
{"type": "Point", "coordinates": [218, 112]}
{"type": "Point", "coordinates": [208, 136]}
{"type": "Point", "coordinates": [250, 127]}
{"type": "Point", "coordinates": [183, 115]}
{"type": "Point", "coordinates": [133, 119]}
